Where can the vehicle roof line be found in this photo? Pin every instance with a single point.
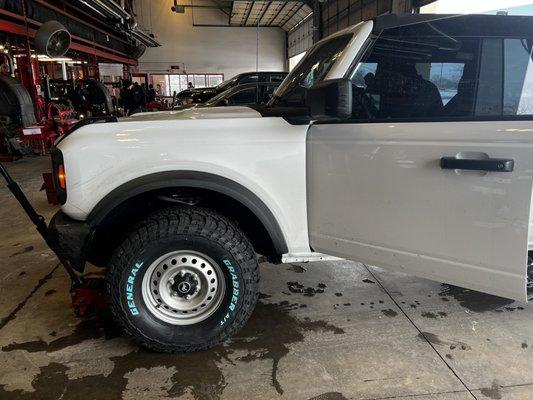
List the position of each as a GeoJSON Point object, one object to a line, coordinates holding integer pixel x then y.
{"type": "Point", "coordinates": [387, 21]}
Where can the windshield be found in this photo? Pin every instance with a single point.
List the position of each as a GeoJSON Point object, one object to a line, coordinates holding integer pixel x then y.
{"type": "Point", "coordinates": [311, 70]}
{"type": "Point", "coordinates": [219, 97]}
{"type": "Point", "coordinates": [229, 83]}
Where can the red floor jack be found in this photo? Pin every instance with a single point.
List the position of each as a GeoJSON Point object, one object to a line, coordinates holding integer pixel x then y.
{"type": "Point", "coordinates": [87, 293]}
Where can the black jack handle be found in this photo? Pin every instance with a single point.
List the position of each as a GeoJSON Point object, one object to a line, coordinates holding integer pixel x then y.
{"type": "Point", "coordinates": [40, 223]}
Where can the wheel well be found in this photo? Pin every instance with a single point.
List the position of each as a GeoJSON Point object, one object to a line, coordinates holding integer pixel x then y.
{"type": "Point", "coordinates": [116, 225]}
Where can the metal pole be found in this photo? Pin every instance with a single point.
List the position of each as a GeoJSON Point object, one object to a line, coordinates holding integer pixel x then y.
{"type": "Point", "coordinates": [39, 222]}
{"type": "Point", "coordinates": [64, 70]}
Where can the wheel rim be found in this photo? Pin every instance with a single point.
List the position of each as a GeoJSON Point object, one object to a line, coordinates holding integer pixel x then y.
{"type": "Point", "coordinates": [183, 287]}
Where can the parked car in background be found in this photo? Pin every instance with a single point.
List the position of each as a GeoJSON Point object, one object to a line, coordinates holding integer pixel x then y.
{"type": "Point", "coordinates": [249, 94]}
{"type": "Point", "coordinates": [194, 96]}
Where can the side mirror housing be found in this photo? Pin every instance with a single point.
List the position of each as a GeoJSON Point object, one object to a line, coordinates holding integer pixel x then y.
{"type": "Point", "coordinates": [330, 99]}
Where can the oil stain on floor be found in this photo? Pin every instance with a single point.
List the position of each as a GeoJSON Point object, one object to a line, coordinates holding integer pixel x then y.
{"type": "Point", "coordinates": [267, 336]}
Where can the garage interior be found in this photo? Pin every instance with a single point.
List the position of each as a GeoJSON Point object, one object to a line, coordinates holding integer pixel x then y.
{"type": "Point", "coordinates": [325, 330]}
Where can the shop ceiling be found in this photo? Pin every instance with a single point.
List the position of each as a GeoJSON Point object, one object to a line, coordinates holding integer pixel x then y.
{"type": "Point", "coordinates": [287, 14]}
{"type": "Point", "coordinates": [284, 14]}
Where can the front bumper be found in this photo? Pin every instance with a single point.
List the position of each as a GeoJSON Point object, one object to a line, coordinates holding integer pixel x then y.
{"type": "Point", "coordinates": [71, 239]}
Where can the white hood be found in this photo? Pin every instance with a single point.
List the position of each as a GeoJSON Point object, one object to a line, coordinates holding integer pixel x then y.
{"type": "Point", "coordinates": [195, 113]}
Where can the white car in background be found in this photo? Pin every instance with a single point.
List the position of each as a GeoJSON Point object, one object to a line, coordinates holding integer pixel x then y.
{"type": "Point", "coordinates": [404, 142]}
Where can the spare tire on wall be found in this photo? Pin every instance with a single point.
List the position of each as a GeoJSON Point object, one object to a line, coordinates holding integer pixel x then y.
{"type": "Point", "coordinates": [15, 101]}
{"type": "Point", "coordinates": [52, 39]}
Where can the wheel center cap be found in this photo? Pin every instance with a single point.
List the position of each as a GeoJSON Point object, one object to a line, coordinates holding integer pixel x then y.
{"type": "Point", "coordinates": [185, 284]}
{"type": "Point", "coordinates": [184, 287]}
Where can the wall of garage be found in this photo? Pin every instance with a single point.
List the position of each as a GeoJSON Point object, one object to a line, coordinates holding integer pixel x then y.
{"type": "Point", "coordinates": [339, 14]}
{"type": "Point", "coordinates": [300, 38]}
{"type": "Point", "coordinates": [199, 41]}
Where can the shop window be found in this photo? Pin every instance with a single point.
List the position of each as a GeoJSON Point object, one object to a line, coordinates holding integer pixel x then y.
{"type": "Point", "coordinates": [170, 83]}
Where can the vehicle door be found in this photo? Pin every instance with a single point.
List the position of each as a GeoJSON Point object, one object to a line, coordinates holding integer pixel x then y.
{"type": "Point", "coordinates": [432, 173]}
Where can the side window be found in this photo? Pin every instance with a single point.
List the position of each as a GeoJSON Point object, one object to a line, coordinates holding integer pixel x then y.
{"type": "Point", "coordinates": [417, 76]}
{"type": "Point", "coordinates": [267, 91]}
{"type": "Point", "coordinates": [246, 96]}
{"type": "Point", "coordinates": [518, 77]}
{"type": "Point", "coordinates": [423, 73]}
{"type": "Point", "coordinates": [446, 76]}
{"type": "Point", "coordinates": [277, 78]}
{"type": "Point", "coordinates": [248, 79]}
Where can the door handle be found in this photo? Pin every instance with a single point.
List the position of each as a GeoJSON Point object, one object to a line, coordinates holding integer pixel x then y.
{"type": "Point", "coordinates": [488, 164]}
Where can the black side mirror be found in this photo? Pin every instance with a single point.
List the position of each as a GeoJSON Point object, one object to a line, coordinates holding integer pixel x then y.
{"type": "Point", "coordinates": [330, 99]}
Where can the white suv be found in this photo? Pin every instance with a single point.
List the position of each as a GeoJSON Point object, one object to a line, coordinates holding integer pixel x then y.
{"type": "Point", "coordinates": [404, 142]}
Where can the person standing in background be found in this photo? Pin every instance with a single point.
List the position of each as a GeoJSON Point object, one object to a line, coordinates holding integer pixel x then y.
{"type": "Point", "coordinates": [151, 95]}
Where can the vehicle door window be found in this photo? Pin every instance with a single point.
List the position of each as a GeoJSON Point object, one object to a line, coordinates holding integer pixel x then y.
{"type": "Point", "coordinates": [420, 72]}
{"type": "Point", "coordinates": [266, 93]}
{"type": "Point", "coordinates": [246, 96]}
{"type": "Point", "coordinates": [446, 76]}
{"type": "Point", "coordinates": [518, 77]}
{"type": "Point", "coordinates": [416, 77]}
{"type": "Point", "coordinates": [277, 78]}
{"type": "Point", "coordinates": [249, 79]}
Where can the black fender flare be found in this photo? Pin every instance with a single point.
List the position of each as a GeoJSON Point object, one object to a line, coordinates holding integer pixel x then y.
{"type": "Point", "coordinates": [191, 179]}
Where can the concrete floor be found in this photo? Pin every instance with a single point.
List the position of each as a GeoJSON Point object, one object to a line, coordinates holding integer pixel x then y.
{"type": "Point", "coordinates": [370, 334]}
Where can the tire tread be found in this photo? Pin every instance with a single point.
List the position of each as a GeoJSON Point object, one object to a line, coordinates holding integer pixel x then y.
{"type": "Point", "coordinates": [196, 221]}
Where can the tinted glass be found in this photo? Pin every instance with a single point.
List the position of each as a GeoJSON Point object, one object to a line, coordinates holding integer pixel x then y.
{"type": "Point", "coordinates": [277, 78]}
{"type": "Point", "coordinates": [266, 93]}
{"type": "Point", "coordinates": [248, 79]}
{"type": "Point", "coordinates": [229, 83]}
{"type": "Point", "coordinates": [420, 77]}
{"type": "Point", "coordinates": [432, 74]}
{"type": "Point", "coordinates": [518, 78]}
{"type": "Point", "coordinates": [311, 70]}
{"type": "Point", "coordinates": [246, 96]}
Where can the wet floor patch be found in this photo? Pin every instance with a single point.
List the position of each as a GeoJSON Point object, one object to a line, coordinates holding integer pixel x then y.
{"type": "Point", "coordinates": [329, 396]}
{"type": "Point", "coordinates": [432, 315]}
{"type": "Point", "coordinates": [297, 268]}
{"type": "Point", "coordinates": [493, 392]}
{"type": "Point", "coordinates": [389, 313]}
{"type": "Point", "coordinates": [309, 291]}
{"type": "Point", "coordinates": [436, 340]}
{"type": "Point", "coordinates": [267, 336]}
{"type": "Point", "coordinates": [474, 301]}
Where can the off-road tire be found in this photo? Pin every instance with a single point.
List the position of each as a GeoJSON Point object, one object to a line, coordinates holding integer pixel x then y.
{"type": "Point", "coordinates": [177, 228]}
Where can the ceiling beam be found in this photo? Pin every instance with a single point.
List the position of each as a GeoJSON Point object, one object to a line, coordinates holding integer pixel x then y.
{"type": "Point", "coordinates": [292, 15]}
{"type": "Point", "coordinates": [277, 14]}
{"type": "Point", "coordinates": [263, 13]}
{"type": "Point", "coordinates": [251, 3]}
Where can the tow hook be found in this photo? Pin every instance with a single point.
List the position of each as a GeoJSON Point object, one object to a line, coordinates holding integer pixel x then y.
{"type": "Point", "coordinates": [87, 294]}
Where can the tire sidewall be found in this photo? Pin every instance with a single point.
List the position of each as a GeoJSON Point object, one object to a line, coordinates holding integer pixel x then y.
{"type": "Point", "coordinates": [143, 320]}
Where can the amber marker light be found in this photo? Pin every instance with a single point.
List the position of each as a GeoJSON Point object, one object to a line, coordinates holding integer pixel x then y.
{"type": "Point", "coordinates": [61, 177]}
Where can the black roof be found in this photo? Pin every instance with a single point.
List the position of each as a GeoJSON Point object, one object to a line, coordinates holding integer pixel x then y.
{"type": "Point", "coordinates": [262, 73]}
{"type": "Point", "coordinates": [458, 24]}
